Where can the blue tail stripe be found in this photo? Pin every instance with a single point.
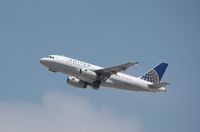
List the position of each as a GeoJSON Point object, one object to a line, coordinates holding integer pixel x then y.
{"type": "Point", "coordinates": [160, 69]}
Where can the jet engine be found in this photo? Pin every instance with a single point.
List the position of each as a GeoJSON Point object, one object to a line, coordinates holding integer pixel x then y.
{"type": "Point", "coordinates": [87, 75]}
{"type": "Point", "coordinates": [73, 81]}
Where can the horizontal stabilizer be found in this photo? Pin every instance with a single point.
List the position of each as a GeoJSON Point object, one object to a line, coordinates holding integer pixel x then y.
{"type": "Point", "coordinates": [158, 85]}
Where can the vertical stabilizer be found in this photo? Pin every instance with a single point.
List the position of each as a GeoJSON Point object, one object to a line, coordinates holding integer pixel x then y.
{"type": "Point", "coordinates": [155, 75]}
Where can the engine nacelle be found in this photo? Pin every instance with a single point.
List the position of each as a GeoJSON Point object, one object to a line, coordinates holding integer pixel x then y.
{"type": "Point", "coordinates": [73, 81]}
{"type": "Point", "coordinates": [87, 75]}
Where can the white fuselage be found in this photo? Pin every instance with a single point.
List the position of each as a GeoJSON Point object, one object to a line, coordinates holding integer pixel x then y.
{"type": "Point", "coordinates": [119, 80]}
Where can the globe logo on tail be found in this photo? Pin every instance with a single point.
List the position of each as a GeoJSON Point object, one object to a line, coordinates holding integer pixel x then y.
{"type": "Point", "coordinates": [151, 76]}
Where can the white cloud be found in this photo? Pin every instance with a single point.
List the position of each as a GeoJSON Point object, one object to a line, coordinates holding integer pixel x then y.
{"type": "Point", "coordinates": [61, 112]}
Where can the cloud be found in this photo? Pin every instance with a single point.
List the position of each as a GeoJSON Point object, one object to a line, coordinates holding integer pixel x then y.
{"type": "Point", "coordinates": [60, 112]}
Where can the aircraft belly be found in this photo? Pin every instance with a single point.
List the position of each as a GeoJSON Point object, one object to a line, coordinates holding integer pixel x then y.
{"type": "Point", "coordinates": [121, 85]}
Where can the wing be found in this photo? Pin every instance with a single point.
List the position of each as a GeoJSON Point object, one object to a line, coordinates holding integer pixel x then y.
{"type": "Point", "coordinates": [107, 72]}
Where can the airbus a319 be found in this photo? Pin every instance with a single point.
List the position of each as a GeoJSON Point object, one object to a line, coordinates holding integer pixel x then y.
{"type": "Point", "coordinates": [83, 74]}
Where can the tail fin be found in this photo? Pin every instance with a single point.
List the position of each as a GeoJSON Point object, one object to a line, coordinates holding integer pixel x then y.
{"type": "Point", "coordinates": [155, 75]}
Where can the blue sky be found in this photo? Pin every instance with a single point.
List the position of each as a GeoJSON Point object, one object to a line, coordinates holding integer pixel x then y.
{"type": "Point", "coordinates": [105, 33]}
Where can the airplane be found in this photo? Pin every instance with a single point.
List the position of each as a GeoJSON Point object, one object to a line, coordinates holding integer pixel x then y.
{"type": "Point", "coordinates": [83, 74]}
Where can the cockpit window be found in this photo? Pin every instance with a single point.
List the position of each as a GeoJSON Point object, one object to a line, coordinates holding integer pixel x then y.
{"type": "Point", "coordinates": [51, 57]}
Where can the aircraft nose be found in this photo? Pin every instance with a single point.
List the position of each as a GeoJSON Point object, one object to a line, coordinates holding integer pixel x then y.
{"type": "Point", "coordinates": [43, 61]}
